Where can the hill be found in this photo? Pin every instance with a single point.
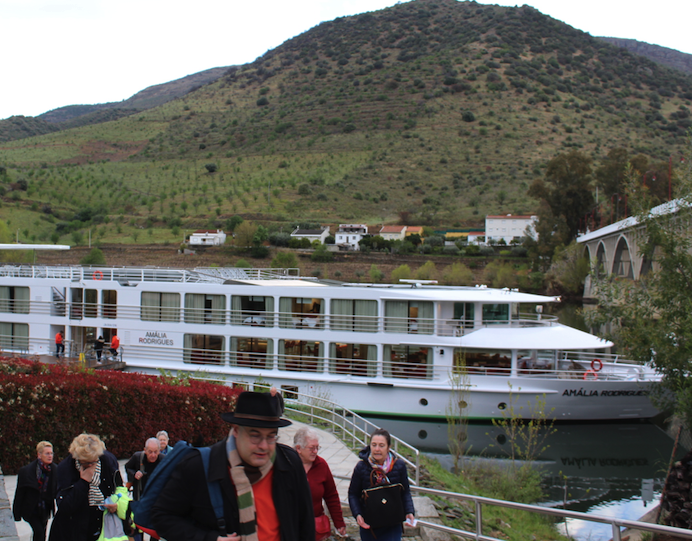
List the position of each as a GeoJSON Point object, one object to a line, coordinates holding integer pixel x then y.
{"type": "Point", "coordinates": [431, 111]}
{"type": "Point", "coordinates": [71, 116]}
{"type": "Point", "coordinates": [661, 55]}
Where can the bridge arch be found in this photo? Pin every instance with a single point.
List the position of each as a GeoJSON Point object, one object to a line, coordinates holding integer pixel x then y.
{"type": "Point", "coordinates": [622, 262]}
{"type": "Point", "coordinates": [602, 266]}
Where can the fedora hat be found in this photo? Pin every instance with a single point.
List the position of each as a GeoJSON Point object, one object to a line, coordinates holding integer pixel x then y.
{"type": "Point", "coordinates": [260, 410]}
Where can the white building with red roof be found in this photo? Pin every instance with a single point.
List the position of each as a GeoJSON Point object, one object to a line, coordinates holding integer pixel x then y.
{"type": "Point", "coordinates": [393, 232]}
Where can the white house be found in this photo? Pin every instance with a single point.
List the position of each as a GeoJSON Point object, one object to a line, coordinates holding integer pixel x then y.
{"type": "Point", "coordinates": [349, 235]}
{"type": "Point", "coordinates": [509, 227]}
{"type": "Point", "coordinates": [393, 232]}
{"type": "Point", "coordinates": [207, 238]}
{"type": "Point", "coordinates": [312, 234]}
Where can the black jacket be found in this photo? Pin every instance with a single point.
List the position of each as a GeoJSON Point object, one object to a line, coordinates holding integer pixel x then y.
{"type": "Point", "coordinates": [137, 461]}
{"type": "Point", "coordinates": [360, 480]}
{"type": "Point", "coordinates": [27, 496]}
{"type": "Point", "coordinates": [183, 510]}
{"type": "Point", "coordinates": [75, 519]}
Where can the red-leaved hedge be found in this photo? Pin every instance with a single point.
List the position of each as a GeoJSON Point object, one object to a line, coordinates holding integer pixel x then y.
{"type": "Point", "coordinates": [56, 403]}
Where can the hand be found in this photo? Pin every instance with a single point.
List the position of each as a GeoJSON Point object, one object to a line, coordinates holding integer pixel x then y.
{"type": "Point", "coordinates": [362, 523]}
{"type": "Point", "coordinates": [410, 519]}
{"type": "Point", "coordinates": [88, 473]}
{"type": "Point", "coordinates": [139, 475]}
{"type": "Point", "coordinates": [112, 507]}
{"type": "Point", "coordinates": [232, 537]}
{"type": "Point", "coordinates": [342, 531]}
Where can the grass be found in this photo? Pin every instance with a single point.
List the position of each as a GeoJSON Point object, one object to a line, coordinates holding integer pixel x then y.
{"type": "Point", "coordinates": [491, 482]}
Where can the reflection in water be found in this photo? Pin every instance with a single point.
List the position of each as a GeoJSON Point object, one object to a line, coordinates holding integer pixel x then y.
{"type": "Point", "coordinates": [614, 469]}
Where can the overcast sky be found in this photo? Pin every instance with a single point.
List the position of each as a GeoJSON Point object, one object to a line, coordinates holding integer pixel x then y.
{"type": "Point", "coordinates": [63, 52]}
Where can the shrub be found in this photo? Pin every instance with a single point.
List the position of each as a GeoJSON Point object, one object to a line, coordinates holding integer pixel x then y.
{"type": "Point", "coordinates": [259, 251]}
{"type": "Point", "coordinates": [376, 275]}
{"type": "Point", "coordinates": [56, 403]}
{"type": "Point", "coordinates": [468, 116]}
{"type": "Point", "coordinates": [427, 271]}
{"type": "Point", "coordinates": [284, 260]}
{"type": "Point", "coordinates": [279, 239]}
{"type": "Point", "coordinates": [322, 255]}
{"type": "Point", "coordinates": [242, 264]}
{"type": "Point", "coordinates": [95, 257]}
{"type": "Point", "coordinates": [262, 101]}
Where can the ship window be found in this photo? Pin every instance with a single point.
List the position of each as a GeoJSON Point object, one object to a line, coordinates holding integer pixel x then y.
{"type": "Point", "coordinates": [484, 361]}
{"type": "Point", "coordinates": [110, 303]}
{"type": "Point", "coordinates": [465, 313]}
{"type": "Point", "coordinates": [160, 306]}
{"type": "Point", "coordinates": [14, 336]}
{"type": "Point", "coordinates": [91, 300]}
{"type": "Point", "coordinates": [407, 361]}
{"type": "Point", "coordinates": [77, 306]}
{"type": "Point", "coordinates": [206, 309]}
{"type": "Point", "coordinates": [14, 299]}
{"type": "Point", "coordinates": [411, 317]}
{"type": "Point", "coordinates": [300, 355]}
{"type": "Point", "coordinates": [252, 352]}
{"type": "Point", "coordinates": [354, 359]}
{"type": "Point", "coordinates": [495, 313]}
{"type": "Point", "coordinates": [300, 313]}
{"type": "Point", "coordinates": [203, 349]}
{"type": "Point", "coordinates": [253, 311]}
{"type": "Point", "coordinates": [353, 315]}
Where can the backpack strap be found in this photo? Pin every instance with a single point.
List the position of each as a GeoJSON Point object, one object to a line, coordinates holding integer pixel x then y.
{"type": "Point", "coordinates": [214, 491]}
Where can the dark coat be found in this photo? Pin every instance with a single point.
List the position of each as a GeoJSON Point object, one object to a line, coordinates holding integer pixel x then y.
{"type": "Point", "coordinates": [360, 480]}
{"type": "Point", "coordinates": [28, 496]}
{"type": "Point", "coordinates": [132, 466]}
{"type": "Point", "coordinates": [183, 510]}
{"type": "Point", "coordinates": [75, 519]}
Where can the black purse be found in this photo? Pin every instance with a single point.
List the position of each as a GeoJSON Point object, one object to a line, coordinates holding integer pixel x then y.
{"type": "Point", "coordinates": [383, 505]}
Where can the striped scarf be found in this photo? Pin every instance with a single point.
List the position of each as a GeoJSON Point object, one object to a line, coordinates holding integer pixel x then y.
{"type": "Point", "coordinates": [243, 487]}
{"type": "Point", "coordinates": [95, 495]}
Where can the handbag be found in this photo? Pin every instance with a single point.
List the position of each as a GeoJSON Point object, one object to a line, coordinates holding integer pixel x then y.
{"type": "Point", "coordinates": [322, 527]}
{"type": "Point", "coordinates": [383, 505]}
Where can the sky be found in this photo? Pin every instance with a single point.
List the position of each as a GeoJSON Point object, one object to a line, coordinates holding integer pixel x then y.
{"type": "Point", "coordinates": [63, 52]}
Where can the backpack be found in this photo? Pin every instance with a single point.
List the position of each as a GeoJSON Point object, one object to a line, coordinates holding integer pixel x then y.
{"type": "Point", "coordinates": [158, 479]}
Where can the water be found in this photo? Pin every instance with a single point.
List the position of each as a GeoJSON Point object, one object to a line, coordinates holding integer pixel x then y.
{"type": "Point", "coordinates": [607, 469]}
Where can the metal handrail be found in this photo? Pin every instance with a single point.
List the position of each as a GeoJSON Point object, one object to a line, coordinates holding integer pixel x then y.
{"type": "Point", "coordinates": [351, 426]}
{"type": "Point", "coordinates": [479, 501]}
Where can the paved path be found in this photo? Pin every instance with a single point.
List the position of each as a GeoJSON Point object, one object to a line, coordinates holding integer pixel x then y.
{"type": "Point", "coordinates": [340, 458]}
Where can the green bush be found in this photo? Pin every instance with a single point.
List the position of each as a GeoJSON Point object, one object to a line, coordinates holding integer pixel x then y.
{"type": "Point", "coordinates": [56, 403]}
{"type": "Point", "coordinates": [95, 257]}
{"type": "Point", "coordinates": [322, 255]}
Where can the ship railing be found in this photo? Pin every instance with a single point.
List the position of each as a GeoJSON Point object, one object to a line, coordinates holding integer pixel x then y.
{"type": "Point", "coordinates": [144, 274]}
{"type": "Point", "coordinates": [347, 425]}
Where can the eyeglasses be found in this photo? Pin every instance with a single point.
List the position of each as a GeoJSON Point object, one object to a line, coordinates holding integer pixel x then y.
{"type": "Point", "coordinates": [314, 448]}
{"type": "Point", "coordinates": [256, 438]}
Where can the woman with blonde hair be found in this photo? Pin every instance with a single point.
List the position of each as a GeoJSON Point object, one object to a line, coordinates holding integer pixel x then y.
{"type": "Point", "coordinates": [85, 479]}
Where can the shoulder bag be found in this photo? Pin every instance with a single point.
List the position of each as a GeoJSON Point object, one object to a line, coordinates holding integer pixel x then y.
{"type": "Point", "coordinates": [383, 505]}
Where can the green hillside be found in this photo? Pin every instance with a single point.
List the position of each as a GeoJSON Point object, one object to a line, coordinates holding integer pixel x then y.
{"type": "Point", "coordinates": [436, 111]}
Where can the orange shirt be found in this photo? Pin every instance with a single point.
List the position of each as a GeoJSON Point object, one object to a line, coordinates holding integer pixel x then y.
{"type": "Point", "coordinates": [267, 519]}
{"type": "Point", "coordinates": [58, 338]}
{"type": "Point", "coordinates": [115, 342]}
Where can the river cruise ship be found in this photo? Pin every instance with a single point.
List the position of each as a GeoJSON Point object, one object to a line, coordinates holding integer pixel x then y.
{"type": "Point", "coordinates": [408, 350]}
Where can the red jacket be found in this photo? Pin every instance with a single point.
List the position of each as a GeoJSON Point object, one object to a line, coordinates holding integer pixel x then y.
{"type": "Point", "coordinates": [322, 486]}
{"type": "Point", "coordinates": [115, 342]}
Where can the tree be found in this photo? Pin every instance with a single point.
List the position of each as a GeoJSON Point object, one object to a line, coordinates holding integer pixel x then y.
{"type": "Point", "coordinates": [244, 234]}
{"type": "Point", "coordinates": [457, 274]}
{"type": "Point", "coordinates": [427, 271]}
{"type": "Point", "coordinates": [403, 272]}
{"type": "Point", "coordinates": [211, 167]}
{"type": "Point", "coordinates": [322, 255]}
{"type": "Point", "coordinates": [567, 189]}
{"type": "Point", "coordinates": [233, 222]}
{"type": "Point", "coordinates": [569, 269]}
{"type": "Point", "coordinates": [653, 313]}
{"type": "Point", "coordinates": [376, 275]}
{"type": "Point", "coordinates": [284, 260]}
{"type": "Point", "coordinates": [95, 257]}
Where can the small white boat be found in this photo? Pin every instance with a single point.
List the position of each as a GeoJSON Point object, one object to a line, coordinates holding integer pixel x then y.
{"type": "Point", "coordinates": [407, 350]}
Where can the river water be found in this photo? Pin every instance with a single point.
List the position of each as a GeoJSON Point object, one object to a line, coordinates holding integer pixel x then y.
{"type": "Point", "coordinates": [608, 469]}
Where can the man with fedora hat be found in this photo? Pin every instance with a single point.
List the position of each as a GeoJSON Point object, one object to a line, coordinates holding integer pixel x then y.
{"type": "Point", "coordinates": [266, 496]}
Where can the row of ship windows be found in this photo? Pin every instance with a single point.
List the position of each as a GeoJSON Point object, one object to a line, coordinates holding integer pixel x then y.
{"type": "Point", "coordinates": [294, 312]}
